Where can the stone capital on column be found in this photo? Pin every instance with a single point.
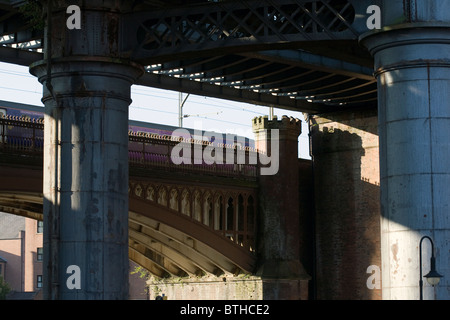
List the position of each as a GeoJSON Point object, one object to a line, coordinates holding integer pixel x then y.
{"type": "Point", "coordinates": [408, 46]}
{"type": "Point", "coordinates": [87, 76]}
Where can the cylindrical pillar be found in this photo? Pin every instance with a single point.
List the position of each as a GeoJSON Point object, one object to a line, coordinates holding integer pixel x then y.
{"type": "Point", "coordinates": [86, 178]}
{"type": "Point", "coordinates": [87, 88]}
{"type": "Point", "coordinates": [412, 65]}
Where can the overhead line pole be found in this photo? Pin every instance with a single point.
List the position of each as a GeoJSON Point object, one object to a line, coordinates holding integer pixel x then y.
{"type": "Point", "coordinates": [181, 102]}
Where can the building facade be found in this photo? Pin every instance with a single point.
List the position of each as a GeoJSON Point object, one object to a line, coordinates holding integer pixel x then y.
{"type": "Point", "coordinates": [21, 256]}
{"type": "Point", "coordinates": [21, 250]}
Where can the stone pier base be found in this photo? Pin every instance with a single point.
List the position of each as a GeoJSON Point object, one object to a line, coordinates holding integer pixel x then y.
{"type": "Point", "coordinates": [228, 288]}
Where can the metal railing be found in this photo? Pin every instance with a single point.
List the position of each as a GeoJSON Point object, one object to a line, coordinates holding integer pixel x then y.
{"type": "Point", "coordinates": [21, 134]}
{"type": "Point", "coordinates": [26, 136]}
{"type": "Point", "coordinates": [152, 150]}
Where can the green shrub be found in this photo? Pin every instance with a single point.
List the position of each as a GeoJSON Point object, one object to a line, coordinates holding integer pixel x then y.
{"type": "Point", "coordinates": [4, 289]}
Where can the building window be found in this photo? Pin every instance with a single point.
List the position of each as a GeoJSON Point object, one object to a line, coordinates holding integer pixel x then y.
{"type": "Point", "coordinates": [40, 227]}
{"type": "Point", "coordinates": [40, 254]}
{"type": "Point", "coordinates": [39, 281]}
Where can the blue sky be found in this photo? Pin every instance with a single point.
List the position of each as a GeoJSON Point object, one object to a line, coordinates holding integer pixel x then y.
{"type": "Point", "coordinates": [160, 106]}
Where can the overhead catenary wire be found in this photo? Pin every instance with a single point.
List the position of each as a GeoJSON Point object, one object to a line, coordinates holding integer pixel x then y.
{"type": "Point", "coordinates": [147, 109]}
{"type": "Point", "coordinates": [142, 92]}
{"type": "Point", "coordinates": [30, 96]}
{"type": "Point", "coordinates": [203, 101]}
{"type": "Point", "coordinates": [225, 106]}
{"type": "Point", "coordinates": [165, 111]}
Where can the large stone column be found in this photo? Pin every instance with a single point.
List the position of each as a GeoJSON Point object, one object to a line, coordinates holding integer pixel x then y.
{"type": "Point", "coordinates": [86, 96]}
{"type": "Point", "coordinates": [281, 230]}
{"type": "Point", "coordinates": [412, 65]}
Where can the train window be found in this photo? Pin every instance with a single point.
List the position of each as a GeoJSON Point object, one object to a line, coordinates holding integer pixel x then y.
{"type": "Point", "coordinates": [2, 112]}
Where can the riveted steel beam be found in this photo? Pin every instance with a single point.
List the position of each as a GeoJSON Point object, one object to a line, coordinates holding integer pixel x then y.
{"type": "Point", "coordinates": [314, 61]}
{"type": "Point", "coordinates": [237, 26]}
{"type": "Point", "coordinates": [164, 249]}
{"type": "Point", "coordinates": [19, 57]}
{"type": "Point", "coordinates": [226, 60]}
{"type": "Point", "coordinates": [196, 259]}
{"type": "Point", "coordinates": [231, 93]}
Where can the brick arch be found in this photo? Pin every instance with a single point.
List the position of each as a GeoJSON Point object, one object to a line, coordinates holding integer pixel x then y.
{"type": "Point", "coordinates": [150, 193]}
{"type": "Point", "coordinates": [218, 210]}
{"type": "Point", "coordinates": [197, 205]}
{"type": "Point", "coordinates": [208, 209]}
{"type": "Point", "coordinates": [174, 195]}
{"type": "Point", "coordinates": [162, 195]}
{"type": "Point", "coordinates": [185, 202]}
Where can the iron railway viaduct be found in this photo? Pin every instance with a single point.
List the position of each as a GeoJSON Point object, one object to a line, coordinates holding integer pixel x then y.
{"type": "Point", "coordinates": [372, 78]}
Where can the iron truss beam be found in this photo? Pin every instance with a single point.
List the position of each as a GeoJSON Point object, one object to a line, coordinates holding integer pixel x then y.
{"type": "Point", "coordinates": [16, 31]}
{"type": "Point", "coordinates": [300, 55]}
{"type": "Point", "coordinates": [162, 33]}
{"type": "Point", "coordinates": [19, 56]}
{"type": "Point", "coordinates": [291, 79]}
{"type": "Point", "coordinates": [237, 26]}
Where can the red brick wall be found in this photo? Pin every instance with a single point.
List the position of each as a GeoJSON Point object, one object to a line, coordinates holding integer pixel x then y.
{"type": "Point", "coordinates": [347, 220]}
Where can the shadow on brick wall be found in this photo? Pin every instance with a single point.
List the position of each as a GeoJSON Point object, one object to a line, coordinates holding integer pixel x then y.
{"type": "Point", "coordinates": [347, 211]}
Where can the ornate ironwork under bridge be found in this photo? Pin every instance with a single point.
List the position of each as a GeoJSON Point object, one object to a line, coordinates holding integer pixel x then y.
{"type": "Point", "coordinates": [301, 55]}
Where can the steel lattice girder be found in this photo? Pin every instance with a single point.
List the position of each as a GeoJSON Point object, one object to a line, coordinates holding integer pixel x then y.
{"type": "Point", "coordinates": [236, 26]}
{"type": "Point", "coordinates": [225, 25]}
{"type": "Point", "coordinates": [216, 49]}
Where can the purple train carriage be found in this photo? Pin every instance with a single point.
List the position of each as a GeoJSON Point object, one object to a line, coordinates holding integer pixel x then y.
{"type": "Point", "coordinates": [21, 128]}
{"type": "Point", "coordinates": [36, 114]}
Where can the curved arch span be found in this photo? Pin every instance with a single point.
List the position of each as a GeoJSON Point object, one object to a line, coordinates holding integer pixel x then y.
{"type": "Point", "coordinates": [160, 239]}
